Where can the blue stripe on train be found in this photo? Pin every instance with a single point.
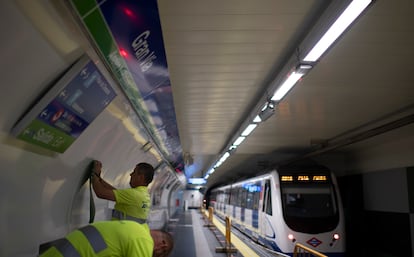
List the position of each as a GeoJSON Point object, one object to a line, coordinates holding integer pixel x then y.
{"type": "Point", "coordinates": [269, 243]}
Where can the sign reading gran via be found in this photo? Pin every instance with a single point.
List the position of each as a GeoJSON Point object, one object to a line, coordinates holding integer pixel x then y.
{"type": "Point", "coordinates": [128, 37]}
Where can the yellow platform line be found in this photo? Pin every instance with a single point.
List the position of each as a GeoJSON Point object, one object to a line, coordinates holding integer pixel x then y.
{"type": "Point", "coordinates": [237, 242]}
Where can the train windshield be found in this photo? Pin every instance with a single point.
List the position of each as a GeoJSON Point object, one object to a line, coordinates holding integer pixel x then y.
{"type": "Point", "coordinates": [310, 207]}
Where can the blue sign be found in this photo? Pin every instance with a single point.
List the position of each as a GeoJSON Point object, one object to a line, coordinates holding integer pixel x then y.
{"type": "Point", "coordinates": [56, 115]}
{"type": "Point", "coordinates": [67, 109]}
{"type": "Point", "coordinates": [87, 94]}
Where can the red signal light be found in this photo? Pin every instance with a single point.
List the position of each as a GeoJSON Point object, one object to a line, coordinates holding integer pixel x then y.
{"type": "Point", "coordinates": [123, 53]}
{"type": "Point", "coordinates": [128, 12]}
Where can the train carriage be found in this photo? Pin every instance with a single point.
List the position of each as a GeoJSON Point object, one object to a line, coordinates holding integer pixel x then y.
{"type": "Point", "coordinates": [289, 205]}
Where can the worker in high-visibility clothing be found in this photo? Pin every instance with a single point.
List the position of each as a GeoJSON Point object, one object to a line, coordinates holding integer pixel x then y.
{"type": "Point", "coordinates": [111, 238]}
{"type": "Point", "coordinates": [131, 203]}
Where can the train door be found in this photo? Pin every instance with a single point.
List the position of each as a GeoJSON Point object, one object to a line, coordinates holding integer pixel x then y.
{"type": "Point", "coordinates": [266, 210]}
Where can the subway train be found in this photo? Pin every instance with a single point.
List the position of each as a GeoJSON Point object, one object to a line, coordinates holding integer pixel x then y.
{"type": "Point", "coordinates": [288, 205]}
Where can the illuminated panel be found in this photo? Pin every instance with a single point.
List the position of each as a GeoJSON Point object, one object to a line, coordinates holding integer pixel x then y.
{"type": "Point", "coordinates": [303, 178]}
{"type": "Point", "coordinates": [197, 181]}
{"type": "Point", "coordinates": [319, 178]}
{"type": "Point", "coordinates": [286, 178]}
{"type": "Point", "coordinates": [252, 188]}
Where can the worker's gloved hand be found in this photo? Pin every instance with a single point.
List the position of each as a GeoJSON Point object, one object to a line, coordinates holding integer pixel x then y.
{"type": "Point", "coordinates": [97, 168]}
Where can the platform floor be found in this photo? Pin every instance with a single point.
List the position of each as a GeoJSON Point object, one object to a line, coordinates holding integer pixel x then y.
{"type": "Point", "coordinates": [194, 238]}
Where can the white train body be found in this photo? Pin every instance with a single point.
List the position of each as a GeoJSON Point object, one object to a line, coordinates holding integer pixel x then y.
{"type": "Point", "coordinates": [285, 207]}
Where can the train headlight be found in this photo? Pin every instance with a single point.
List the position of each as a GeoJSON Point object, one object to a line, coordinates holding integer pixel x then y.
{"type": "Point", "coordinates": [334, 238]}
{"type": "Point", "coordinates": [291, 238]}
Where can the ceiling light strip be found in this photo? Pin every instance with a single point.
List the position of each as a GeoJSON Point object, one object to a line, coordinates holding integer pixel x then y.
{"type": "Point", "coordinates": [286, 86]}
{"type": "Point", "coordinates": [354, 9]}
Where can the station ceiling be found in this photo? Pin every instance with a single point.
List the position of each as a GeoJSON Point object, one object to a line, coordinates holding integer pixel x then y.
{"type": "Point", "coordinates": [224, 55]}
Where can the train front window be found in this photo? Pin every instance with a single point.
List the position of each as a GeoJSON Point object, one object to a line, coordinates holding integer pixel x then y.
{"type": "Point", "coordinates": [309, 201]}
{"type": "Point", "coordinates": [309, 208]}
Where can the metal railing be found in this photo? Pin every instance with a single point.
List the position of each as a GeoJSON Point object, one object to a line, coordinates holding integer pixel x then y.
{"type": "Point", "coordinates": [227, 247]}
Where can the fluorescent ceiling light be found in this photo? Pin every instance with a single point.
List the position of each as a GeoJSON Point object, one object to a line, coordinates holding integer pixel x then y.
{"type": "Point", "coordinates": [239, 140]}
{"type": "Point", "coordinates": [248, 130]}
{"type": "Point", "coordinates": [353, 10]}
{"type": "Point", "coordinates": [225, 156]}
{"type": "Point", "coordinates": [222, 159]}
{"type": "Point", "coordinates": [197, 181]}
{"type": "Point", "coordinates": [286, 86]}
{"type": "Point", "coordinates": [209, 173]}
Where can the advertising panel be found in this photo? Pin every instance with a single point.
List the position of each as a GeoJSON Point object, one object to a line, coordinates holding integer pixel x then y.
{"type": "Point", "coordinates": [128, 37]}
{"type": "Point", "coordinates": [67, 109]}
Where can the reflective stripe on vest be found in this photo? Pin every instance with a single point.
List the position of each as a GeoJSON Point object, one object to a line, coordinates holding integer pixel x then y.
{"type": "Point", "coordinates": [121, 216]}
{"type": "Point", "coordinates": [94, 237]}
{"type": "Point", "coordinates": [65, 247]}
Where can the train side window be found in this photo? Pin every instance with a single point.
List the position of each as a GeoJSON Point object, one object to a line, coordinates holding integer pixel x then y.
{"type": "Point", "coordinates": [228, 196]}
{"type": "Point", "coordinates": [243, 197]}
{"type": "Point", "coordinates": [250, 200]}
{"type": "Point", "coordinates": [239, 197]}
{"type": "Point", "coordinates": [256, 198]}
{"type": "Point", "coordinates": [268, 198]}
{"type": "Point", "coordinates": [235, 193]}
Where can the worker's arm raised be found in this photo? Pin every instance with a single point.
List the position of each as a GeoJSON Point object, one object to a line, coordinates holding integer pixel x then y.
{"type": "Point", "coordinates": [102, 188]}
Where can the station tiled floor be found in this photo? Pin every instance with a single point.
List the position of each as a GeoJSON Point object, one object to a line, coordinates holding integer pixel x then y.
{"type": "Point", "coordinates": [194, 238]}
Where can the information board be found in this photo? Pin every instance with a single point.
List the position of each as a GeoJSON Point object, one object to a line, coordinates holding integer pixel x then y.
{"type": "Point", "coordinates": [67, 109]}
